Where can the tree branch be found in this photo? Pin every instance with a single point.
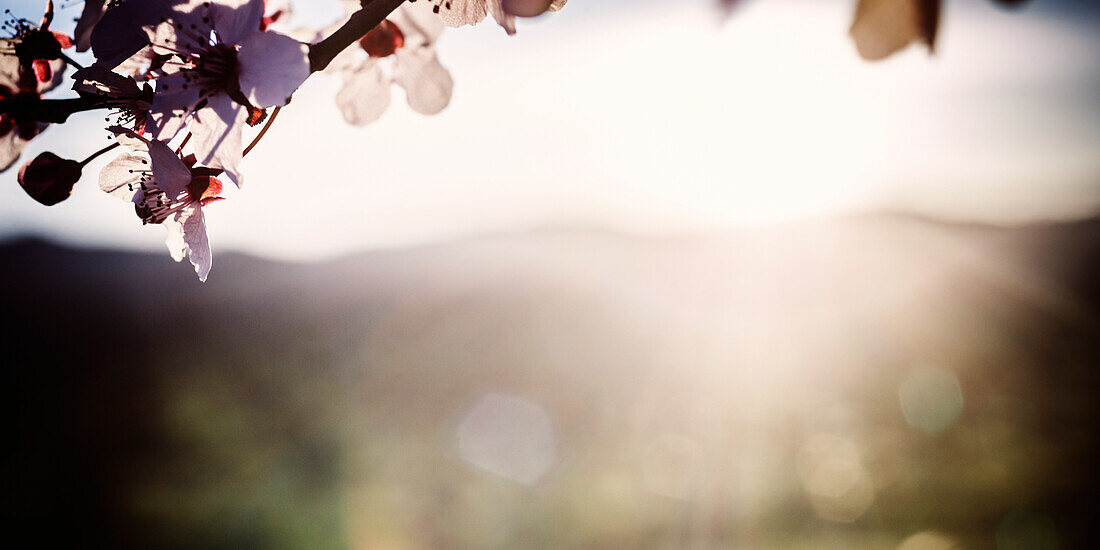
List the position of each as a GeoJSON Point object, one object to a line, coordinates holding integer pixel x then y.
{"type": "Point", "coordinates": [321, 54]}
{"type": "Point", "coordinates": [49, 110]}
{"type": "Point", "coordinates": [361, 22]}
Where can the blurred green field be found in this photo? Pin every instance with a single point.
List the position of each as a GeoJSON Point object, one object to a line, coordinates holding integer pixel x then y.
{"type": "Point", "coordinates": [870, 382]}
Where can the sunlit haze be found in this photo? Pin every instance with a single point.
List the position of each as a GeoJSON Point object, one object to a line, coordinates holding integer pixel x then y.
{"type": "Point", "coordinates": [655, 278]}
{"type": "Point", "coordinates": [654, 117]}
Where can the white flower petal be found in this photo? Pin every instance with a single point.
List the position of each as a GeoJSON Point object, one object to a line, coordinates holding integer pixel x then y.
{"type": "Point", "coordinates": [170, 173]}
{"type": "Point", "coordinates": [11, 146]}
{"type": "Point", "coordinates": [456, 13]}
{"type": "Point", "coordinates": [272, 66]}
{"type": "Point", "coordinates": [216, 135]}
{"type": "Point", "coordinates": [120, 177]}
{"type": "Point", "coordinates": [187, 237]}
{"type": "Point", "coordinates": [347, 60]}
{"type": "Point", "coordinates": [365, 95]}
{"type": "Point", "coordinates": [234, 20]}
{"type": "Point", "coordinates": [177, 247]}
{"type": "Point", "coordinates": [9, 65]}
{"type": "Point", "coordinates": [417, 22]}
{"type": "Point", "coordinates": [130, 139]}
{"type": "Point", "coordinates": [231, 20]}
{"type": "Point", "coordinates": [170, 103]}
{"type": "Point", "coordinates": [427, 83]}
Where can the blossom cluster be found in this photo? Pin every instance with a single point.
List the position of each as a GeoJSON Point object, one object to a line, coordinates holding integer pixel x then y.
{"type": "Point", "coordinates": [181, 79]}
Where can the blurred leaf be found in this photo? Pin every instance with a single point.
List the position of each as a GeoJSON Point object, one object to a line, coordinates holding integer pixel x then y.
{"type": "Point", "coordinates": [882, 27]}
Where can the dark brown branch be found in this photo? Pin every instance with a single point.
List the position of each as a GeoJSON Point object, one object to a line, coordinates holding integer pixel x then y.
{"type": "Point", "coordinates": [49, 110]}
{"type": "Point", "coordinates": [361, 22]}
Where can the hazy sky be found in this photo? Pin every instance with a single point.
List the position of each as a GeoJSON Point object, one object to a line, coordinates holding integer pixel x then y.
{"type": "Point", "coordinates": [651, 115]}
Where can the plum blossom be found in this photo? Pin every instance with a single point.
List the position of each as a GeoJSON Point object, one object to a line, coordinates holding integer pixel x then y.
{"type": "Point", "coordinates": [222, 73]}
{"type": "Point", "coordinates": [130, 102]}
{"type": "Point", "coordinates": [165, 190]}
{"type": "Point", "coordinates": [408, 38]}
{"type": "Point", "coordinates": [456, 13]}
{"type": "Point", "coordinates": [18, 83]}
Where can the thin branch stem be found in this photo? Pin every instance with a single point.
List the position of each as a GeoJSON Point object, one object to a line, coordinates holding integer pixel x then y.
{"type": "Point", "coordinates": [70, 61]}
{"type": "Point", "coordinates": [183, 143]}
{"type": "Point", "coordinates": [360, 23]}
{"type": "Point", "coordinates": [97, 153]}
{"type": "Point", "coordinates": [263, 131]}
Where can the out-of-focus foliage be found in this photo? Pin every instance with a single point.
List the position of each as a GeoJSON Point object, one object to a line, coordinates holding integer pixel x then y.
{"type": "Point", "coordinates": [882, 27]}
{"type": "Point", "coordinates": [875, 383]}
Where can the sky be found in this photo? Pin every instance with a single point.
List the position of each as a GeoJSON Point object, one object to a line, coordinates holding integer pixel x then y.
{"type": "Point", "coordinates": [654, 116]}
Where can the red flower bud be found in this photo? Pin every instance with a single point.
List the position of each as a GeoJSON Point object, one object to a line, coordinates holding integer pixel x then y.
{"type": "Point", "coordinates": [383, 40]}
{"type": "Point", "coordinates": [49, 179]}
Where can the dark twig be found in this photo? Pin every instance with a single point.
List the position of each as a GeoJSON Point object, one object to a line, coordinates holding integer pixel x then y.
{"type": "Point", "coordinates": [97, 153]}
{"type": "Point", "coordinates": [360, 23]}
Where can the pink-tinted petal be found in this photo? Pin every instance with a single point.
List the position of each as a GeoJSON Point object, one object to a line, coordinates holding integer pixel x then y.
{"type": "Point", "coordinates": [272, 66]}
{"type": "Point", "coordinates": [365, 95]}
{"type": "Point", "coordinates": [427, 83]}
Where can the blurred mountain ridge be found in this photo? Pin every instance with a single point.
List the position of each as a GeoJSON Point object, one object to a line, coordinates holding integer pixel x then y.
{"type": "Point", "coordinates": [690, 381]}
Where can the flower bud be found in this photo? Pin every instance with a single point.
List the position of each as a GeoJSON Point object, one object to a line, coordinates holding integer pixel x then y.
{"type": "Point", "coordinates": [49, 179]}
{"type": "Point", "coordinates": [525, 8]}
{"type": "Point", "coordinates": [383, 40]}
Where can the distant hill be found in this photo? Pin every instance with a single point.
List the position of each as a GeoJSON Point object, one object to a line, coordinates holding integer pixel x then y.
{"type": "Point", "coordinates": [733, 390]}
